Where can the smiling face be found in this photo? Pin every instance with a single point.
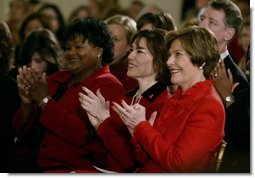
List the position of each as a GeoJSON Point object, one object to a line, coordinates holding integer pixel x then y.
{"type": "Point", "coordinates": [81, 56]}
{"type": "Point", "coordinates": [140, 65]}
{"type": "Point", "coordinates": [183, 72]}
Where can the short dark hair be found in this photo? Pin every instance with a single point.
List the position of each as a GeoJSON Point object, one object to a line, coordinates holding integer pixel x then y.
{"type": "Point", "coordinates": [233, 15]}
{"type": "Point", "coordinates": [96, 32]}
{"type": "Point", "coordinates": [157, 47]}
{"type": "Point", "coordinates": [200, 44]}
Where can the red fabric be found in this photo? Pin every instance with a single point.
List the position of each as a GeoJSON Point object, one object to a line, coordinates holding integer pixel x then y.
{"type": "Point", "coordinates": [186, 136]}
{"type": "Point", "coordinates": [117, 138]}
{"type": "Point", "coordinates": [65, 143]}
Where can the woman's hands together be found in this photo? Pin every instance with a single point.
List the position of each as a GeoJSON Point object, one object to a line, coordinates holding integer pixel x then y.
{"type": "Point", "coordinates": [95, 105]}
{"type": "Point", "coordinates": [32, 88]}
{"type": "Point", "coordinates": [132, 115]}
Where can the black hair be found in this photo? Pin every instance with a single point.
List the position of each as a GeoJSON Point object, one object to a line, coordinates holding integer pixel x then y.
{"type": "Point", "coordinates": [96, 32]}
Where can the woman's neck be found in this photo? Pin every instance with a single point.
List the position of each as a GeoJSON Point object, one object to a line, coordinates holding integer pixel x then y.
{"type": "Point", "coordinates": [144, 85]}
{"type": "Point", "coordinates": [186, 86]}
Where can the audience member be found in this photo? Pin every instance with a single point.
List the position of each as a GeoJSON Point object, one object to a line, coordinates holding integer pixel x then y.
{"type": "Point", "coordinates": [30, 23]}
{"type": "Point", "coordinates": [177, 141]}
{"type": "Point", "coordinates": [80, 12]}
{"type": "Point", "coordinates": [111, 8]}
{"type": "Point", "coordinates": [134, 9]}
{"type": "Point", "coordinates": [95, 8]}
{"type": "Point", "coordinates": [244, 40]}
{"type": "Point", "coordinates": [17, 11]}
{"type": "Point", "coordinates": [54, 20]}
{"type": "Point", "coordinates": [122, 29]}
{"type": "Point", "coordinates": [65, 139]}
{"type": "Point", "coordinates": [234, 47]}
{"type": "Point", "coordinates": [162, 20]}
{"type": "Point", "coordinates": [41, 52]}
{"type": "Point", "coordinates": [224, 19]}
{"type": "Point", "coordinates": [147, 64]}
{"type": "Point", "coordinates": [9, 99]}
{"type": "Point", "coordinates": [32, 6]}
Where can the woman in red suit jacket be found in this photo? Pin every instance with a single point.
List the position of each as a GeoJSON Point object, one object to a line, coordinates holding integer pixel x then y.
{"type": "Point", "coordinates": [147, 64]}
{"type": "Point", "coordinates": [189, 129]}
{"type": "Point", "coordinates": [67, 140]}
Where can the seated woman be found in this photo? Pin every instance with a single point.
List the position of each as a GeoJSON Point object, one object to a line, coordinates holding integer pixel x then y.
{"type": "Point", "coordinates": [187, 133]}
{"type": "Point", "coordinates": [122, 29]}
{"type": "Point", "coordinates": [146, 64]}
{"type": "Point", "coordinates": [62, 137]}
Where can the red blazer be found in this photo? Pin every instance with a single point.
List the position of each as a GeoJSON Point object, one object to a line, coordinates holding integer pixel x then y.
{"type": "Point", "coordinates": [116, 137]}
{"type": "Point", "coordinates": [66, 142]}
{"type": "Point", "coordinates": [186, 136]}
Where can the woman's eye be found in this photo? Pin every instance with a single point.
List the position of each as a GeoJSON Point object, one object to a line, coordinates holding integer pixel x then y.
{"type": "Point", "coordinates": [177, 54]}
{"type": "Point", "coordinates": [78, 47]}
{"type": "Point", "coordinates": [212, 23]}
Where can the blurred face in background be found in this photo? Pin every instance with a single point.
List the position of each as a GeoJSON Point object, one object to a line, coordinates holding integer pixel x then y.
{"type": "Point", "coordinates": [121, 44]}
{"type": "Point", "coordinates": [94, 8]}
{"type": "Point", "coordinates": [38, 64]}
{"type": "Point", "coordinates": [17, 10]}
{"type": "Point", "coordinates": [244, 37]}
{"type": "Point", "coordinates": [51, 18]}
{"type": "Point", "coordinates": [32, 25]}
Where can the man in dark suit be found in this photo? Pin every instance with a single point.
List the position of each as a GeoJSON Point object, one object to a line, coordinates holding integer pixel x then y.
{"type": "Point", "coordinates": [224, 19]}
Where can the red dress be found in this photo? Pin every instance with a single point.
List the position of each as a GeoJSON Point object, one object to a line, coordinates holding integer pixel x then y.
{"type": "Point", "coordinates": [68, 140]}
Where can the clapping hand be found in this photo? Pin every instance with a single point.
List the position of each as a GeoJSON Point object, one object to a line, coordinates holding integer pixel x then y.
{"type": "Point", "coordinates": [32, 88]}
{"type": "Point", "coordinates": [95, 105]}
{"type": "Point", "coordinates": [132, 115]}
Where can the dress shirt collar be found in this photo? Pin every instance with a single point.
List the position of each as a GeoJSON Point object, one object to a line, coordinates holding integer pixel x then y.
{"type": "Point", "coordinates": [224, 54]}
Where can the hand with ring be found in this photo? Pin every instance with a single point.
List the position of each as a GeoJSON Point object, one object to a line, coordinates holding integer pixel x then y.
{"type": "Point", "coordinates": [24, 86]}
